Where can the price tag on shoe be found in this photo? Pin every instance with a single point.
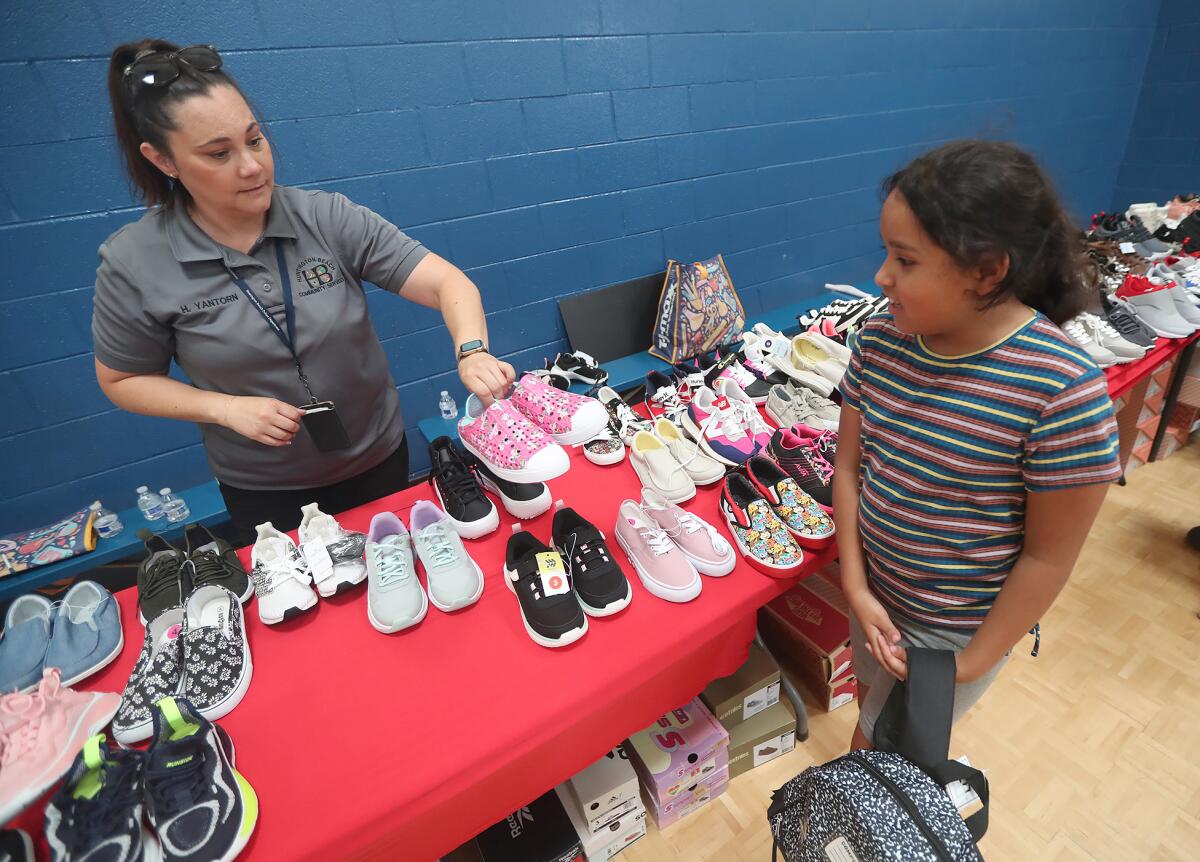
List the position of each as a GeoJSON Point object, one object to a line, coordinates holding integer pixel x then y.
{"type": "Point", "coordinates": [319, 561]}
{"type": "Point", "coordinates": [1127, 248]}
{"type": "Point", "coordinates": [553, 575]}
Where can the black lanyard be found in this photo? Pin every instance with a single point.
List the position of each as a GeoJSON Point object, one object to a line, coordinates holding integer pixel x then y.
{"type": "Point", "coordinates": [289, 310]}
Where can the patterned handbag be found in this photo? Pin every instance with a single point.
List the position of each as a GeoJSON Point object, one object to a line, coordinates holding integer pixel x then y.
{"type": "Point", "coordinates": [882, 806]}
{"type": "Point", "coordinates": [698, 311]}
{"type": "Point", "coordinates": [41, 546]}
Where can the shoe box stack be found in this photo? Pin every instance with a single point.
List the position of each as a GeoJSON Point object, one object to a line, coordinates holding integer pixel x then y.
{"type": "Point", "coordinates": [539, 832]}
{"type": "Point", "coordinates": [682, 761]}
{"type": "Point", "coordinates": [761, 727]}
{"type": "Point", "coordinates": [808, 629]}
{"type": "Point", "coordinates": [604, 806]}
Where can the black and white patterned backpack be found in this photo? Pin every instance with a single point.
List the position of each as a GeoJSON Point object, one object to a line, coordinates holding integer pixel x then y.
{"type": "Point", "coordinates": [887, 805]}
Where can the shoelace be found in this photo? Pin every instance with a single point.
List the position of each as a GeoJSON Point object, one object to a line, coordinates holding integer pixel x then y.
{"type": "Point", "coordinates": [749, 415]}
{"type": "Point", "coordinates": [161, 576]}
{"type": "Point", "coordinates": [667, 399]}
{"type": "Point", "coordinates": [607, 434]}
{"type": "Point", "coordinates": [437, 541]}
{"type": "Point", "coordinates": [740, 375]}
{"type": "Point", "coordinates": [100, 818]}
{"type": "Point", "coordinates": [207, 567]}
{"type": "Point", "coordinates": [17, 742]}
{"type": "Point", "coordinates": [457, 483]}
{"type": "Point", "coordinates": [730, 422]}
{"type": "Point", "coordinates": [582, 554]}
{"type": "Point", "coordinates": [657, 539]}
{"type": "Point", "coordinates": [390, 566]}
{"type": "Point", "coordinates": [691, 524]}
{"type": "Point", "coordinates": [174, 787]}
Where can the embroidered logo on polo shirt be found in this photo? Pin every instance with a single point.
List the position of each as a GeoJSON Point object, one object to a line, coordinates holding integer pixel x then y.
{"type": "Point", "coordinates": [318, 273]}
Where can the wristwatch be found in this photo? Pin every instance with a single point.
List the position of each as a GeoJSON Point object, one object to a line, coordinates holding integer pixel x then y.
{"type": "Point", "coordinates": [470, 348]}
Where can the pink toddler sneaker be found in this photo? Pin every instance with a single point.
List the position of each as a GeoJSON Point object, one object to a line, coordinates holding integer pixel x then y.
{"type": "Point", "coordinates": [509, 444]}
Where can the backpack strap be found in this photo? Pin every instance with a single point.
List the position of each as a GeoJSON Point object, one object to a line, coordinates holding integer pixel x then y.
{"type": "Point", "coordinates": [953, 770]}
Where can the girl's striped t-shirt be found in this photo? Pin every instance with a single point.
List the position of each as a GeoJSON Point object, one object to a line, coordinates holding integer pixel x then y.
{"type": "Point", "coordinates": [951, 447]}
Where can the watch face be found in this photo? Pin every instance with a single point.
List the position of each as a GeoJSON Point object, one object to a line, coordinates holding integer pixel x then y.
{"type": "Point", "coordinates": [470, 345]}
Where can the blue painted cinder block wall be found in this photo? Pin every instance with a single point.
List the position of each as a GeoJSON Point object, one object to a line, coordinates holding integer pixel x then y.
{"type": "Point", "coordinates": [545, 146]}
{"type": "Point", "coordinates": [1163, 158]}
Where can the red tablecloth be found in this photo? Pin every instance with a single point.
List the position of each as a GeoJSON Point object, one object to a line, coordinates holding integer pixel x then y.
{"type": "Point", "coordinates": [370, 746]}
{"type": "Point", "coordinates": [1122, 378]}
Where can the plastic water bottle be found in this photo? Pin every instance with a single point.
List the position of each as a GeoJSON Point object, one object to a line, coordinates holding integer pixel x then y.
{"type": "Point", "coordinates": [107, 524]}
{"type": "Point", "coordinates": [149, 503]}
{"type": "Point", "coordinates": [447, 406]}
{"type": "Point", "coordinates": [174, 507]}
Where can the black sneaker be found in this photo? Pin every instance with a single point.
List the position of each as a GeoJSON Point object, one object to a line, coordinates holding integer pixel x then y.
{"type": "Point", "coordinates": [214, 561]}
{"type": "Point", "coordinates": [624, 419]}
{"type": "Point", "coordinates": [159, 584]}
{"type": "Point", "coordinates": [201, 807]}
{"type": "Point", "coordinates": [522, 500]}
{"type": "Point", "coordinates": [599, 583]}
{"type": "Point", "coordinates": [470, 512]}
{"type": "Point", "coordinates": [539, 579]}
{"type": "Point", "coordinates": [579, 366]}
{"type": "Point", "coordinates": [97, 813]}
{"type": "Point", "coordinates": [798, 463]}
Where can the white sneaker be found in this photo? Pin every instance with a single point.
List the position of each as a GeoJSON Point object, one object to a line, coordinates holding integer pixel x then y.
{"type": "Point", "coordinates": [703, 469]}
{"type": "Point", "coordinates": [775, 350]}
{"type": "Point", "coordinates": [333, 553]}
{"type": "Point", "coordinates": [1077, 332]}
{"type": "Point", "coordinates": [658, 469]}
{"type": "Point", "coordinates": [281, 577]}
{"type": "Point", "coordinates": [811, 351]}
{"type": "Point", "coordinates": [745, 406]}
{"type": "Point", "coordinates": [1103, 333]}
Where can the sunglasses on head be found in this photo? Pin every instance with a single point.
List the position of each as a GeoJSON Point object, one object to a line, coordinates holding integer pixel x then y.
{"type": "Point", "coordinates": [159, 68]}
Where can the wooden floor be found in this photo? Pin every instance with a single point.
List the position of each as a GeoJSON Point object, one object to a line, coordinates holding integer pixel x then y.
{"type": "Point", "coordinates": [1092, 749]}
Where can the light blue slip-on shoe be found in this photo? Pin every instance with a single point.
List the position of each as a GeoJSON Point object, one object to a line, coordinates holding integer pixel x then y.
{"type": "Point", "coordinates": [24, 642]}
{"type": "Point", "coordinates": [87, 632]}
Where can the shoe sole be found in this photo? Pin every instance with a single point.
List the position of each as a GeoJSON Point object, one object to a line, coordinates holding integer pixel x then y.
{"type": "Point", "coordinates": [470, 529]}
{"type": "Point", "coordinates": [525, 477]}
{"type": "Point", "coordinates": [104, 662]}
{"type": "Point", "coordinates": [388, 630]}
{"type": "Point", "coordinates": [446, 609]}
{"type": "Point", "coordinates": [342, 586]}
{"type": "Point", "coordinates": [288, 613]}
{"type": "Point", "coordinates": [523, 509]}
{"type": "Point", "coordinates": [667, 593]}
{"type": "Point", "coordinates": [605, 460]}
{"type": "Point", "coordinates": [565, 639]}
{"type": "Point", "coordinates": [709, 568]}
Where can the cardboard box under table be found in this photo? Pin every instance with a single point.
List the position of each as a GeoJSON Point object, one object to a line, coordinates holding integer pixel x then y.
{"type": "Point", "coordinates": [769, 734]}
{"type": "Point", "coordinates": [610, 839]}
{"type": "Point", "coordinates": [679, 749]}
{"type": "Point", "coordinates": [808, 631]}
{"type": "Point", "coordinates": [746, 692]}
{"type": "Point", "coordinates": [694, 796]}
{"type": "Point", "coordinates": [605, 790]}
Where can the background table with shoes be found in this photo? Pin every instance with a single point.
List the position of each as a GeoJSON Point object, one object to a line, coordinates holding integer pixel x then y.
{"type": "Point", "coordinates": [368, 746]}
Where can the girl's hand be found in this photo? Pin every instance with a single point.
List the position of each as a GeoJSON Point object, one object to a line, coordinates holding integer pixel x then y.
{"type": "Point", "coordinates": [266, 420]}
{"type": "Point", "coordinates": [882, 636]}
{"type": "Point", "coordinates": [486, 376]}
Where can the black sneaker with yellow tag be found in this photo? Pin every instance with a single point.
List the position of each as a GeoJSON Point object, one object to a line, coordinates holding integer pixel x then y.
{"type": "Point", "coordinates": [537, 576]}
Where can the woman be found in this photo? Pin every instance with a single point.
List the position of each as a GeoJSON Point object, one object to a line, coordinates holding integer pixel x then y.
{"type": "Point", "coordinates": [255, 290]}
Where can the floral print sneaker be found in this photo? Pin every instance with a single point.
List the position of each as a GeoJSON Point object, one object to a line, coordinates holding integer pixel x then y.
{"type": "Point", "coordinates": [511, 446]}
{"type": "Point", "coordinates": [217, 665]}
{"type": "Point", "coordinates": [158, 673]}
{"type": "Point", "coordinates": [763, 539]}
{"type": "Point", "coordinates": [569, 418]}
{"type": "Point", "coordinates": [801, 514]}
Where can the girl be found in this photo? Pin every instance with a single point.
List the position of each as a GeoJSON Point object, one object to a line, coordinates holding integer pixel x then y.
{"type": "Point", "coordinates": [976, 440]}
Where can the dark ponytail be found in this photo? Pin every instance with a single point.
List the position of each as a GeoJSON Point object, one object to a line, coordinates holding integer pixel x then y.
{"type": "Point", "coordinates": [976, 198]}
{"type": "Point", "coordinates": [144, 113]}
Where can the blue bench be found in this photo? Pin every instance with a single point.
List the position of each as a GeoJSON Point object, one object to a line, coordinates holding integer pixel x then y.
{"type": "Point", "coordinates": [206, 505]}
{"type": "Point", "coordinates": [628, 372]}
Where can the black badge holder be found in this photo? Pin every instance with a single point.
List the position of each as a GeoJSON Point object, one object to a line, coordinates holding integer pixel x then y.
{"type": "Point", "coordinates": [320, 418]}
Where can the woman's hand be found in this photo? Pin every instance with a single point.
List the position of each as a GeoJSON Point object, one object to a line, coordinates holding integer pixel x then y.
{"type": "Point", "coordinates": [264, 420]}
{"type": "Point", "coordinates": [881, 634]}
{"type": "Point", "coordinates": [486, 376]}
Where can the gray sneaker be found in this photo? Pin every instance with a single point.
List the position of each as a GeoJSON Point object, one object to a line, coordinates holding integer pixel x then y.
{"type": "Point", "coordinates": [395, 600]}
{"type": "Point", "coordinates": [790, 405]}
{"type": "Point", "coordinates": [455, 580]}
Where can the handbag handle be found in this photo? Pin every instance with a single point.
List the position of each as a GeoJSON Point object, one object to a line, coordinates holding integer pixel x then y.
{"type": "Point", "coordinates": [915, 723]}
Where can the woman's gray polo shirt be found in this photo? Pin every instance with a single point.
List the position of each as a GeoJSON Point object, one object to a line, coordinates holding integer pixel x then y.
{"type": "Point", "coordinates": [164, 291]}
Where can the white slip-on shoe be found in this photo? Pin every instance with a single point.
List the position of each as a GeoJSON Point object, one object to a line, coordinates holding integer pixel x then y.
{"type": "Point", "coordinates": [657, 468]}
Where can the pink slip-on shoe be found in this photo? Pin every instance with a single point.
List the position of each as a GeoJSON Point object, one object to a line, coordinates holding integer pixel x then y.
{"type": "Point", "coordinates": [40, 734]}
{"type": "Point", "coordinates": [509, 444]}
{"type": "Point", "coordinates": [569, 418]}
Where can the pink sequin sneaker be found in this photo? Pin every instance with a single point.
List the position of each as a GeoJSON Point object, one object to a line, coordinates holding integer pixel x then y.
{"type": "Point", "coordinates": [569, 418]}
{"type": "Point", "coordinates": [509, 444]}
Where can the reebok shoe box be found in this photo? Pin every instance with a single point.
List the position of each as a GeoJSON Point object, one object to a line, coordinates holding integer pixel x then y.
{"type": "Point", "coordinates": [678, 750]}
{"type": "Point", "coordinates": [746, 692]}
{"type": "Point", "coordinates": [808, 630]}
{"type": "Point", "coordinates": [668, 813]}
{"type": "Point", "coordinates": [769, 734]}
{"type": "Point", "coordinates": [605, 790]}
{"type": "Point", "coordinates": [539, 832]}
{"type": "Point", "coordinates": [611, 838]}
